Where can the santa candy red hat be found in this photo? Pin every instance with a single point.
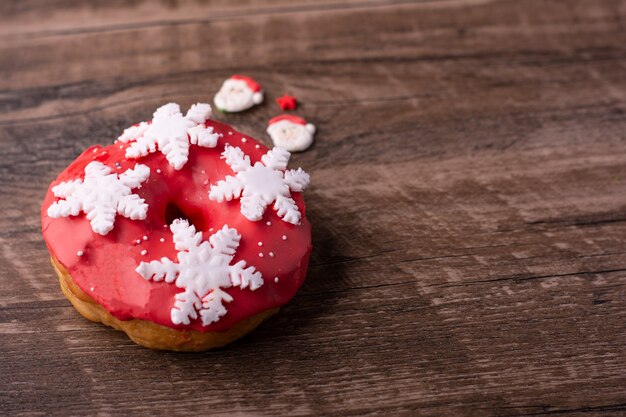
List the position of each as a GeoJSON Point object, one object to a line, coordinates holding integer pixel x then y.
{"type": "Point", "coordinates": [252, 85]}
{"type": "Point", "coordinates": [291, 118]}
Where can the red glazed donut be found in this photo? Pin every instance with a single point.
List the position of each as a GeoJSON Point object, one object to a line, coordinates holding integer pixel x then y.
{"type": "Point", "coordinates": [185, 233]}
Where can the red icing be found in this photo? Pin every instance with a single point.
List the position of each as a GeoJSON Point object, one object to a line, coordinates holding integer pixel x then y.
{"type": "Point", "coordinates": [289, 117]}
{"type": "Point", "coordinates": [106, 271]}
{"type": "Point", "coordinates": [252, 85]}
{"type": "Point", "coordinates": [287, 102]}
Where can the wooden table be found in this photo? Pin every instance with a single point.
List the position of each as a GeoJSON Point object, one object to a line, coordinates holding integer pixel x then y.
{"type": "Point", "coordinates": [468, 204]}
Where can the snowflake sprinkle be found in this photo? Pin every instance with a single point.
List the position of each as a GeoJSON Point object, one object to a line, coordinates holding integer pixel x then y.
{"type": "Point", "coordinates": [203, 269]}
{"type": "Point", "coordinates": [172, 132]}
{"type": "Point", "coordinates": [259, 185]}
{"type": "Point", "coordinates": [102, 195]}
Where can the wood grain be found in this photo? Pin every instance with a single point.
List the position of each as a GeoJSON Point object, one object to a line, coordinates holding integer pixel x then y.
{"type": "Point", "coordinates": [468, 204]}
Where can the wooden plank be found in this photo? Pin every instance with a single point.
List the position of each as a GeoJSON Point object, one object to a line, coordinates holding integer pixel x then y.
{"type": "Point", "coordinates": [468, 204]}
{"type": "Point", "coordinates": [35, 19]}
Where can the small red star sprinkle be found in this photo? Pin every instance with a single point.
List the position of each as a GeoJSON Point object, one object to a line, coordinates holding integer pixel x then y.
{"type": "Point", "coordinates": [287, 102]}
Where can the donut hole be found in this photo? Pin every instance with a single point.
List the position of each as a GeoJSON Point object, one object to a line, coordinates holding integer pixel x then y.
{"type": "Point", "coordinates": [173, 211]}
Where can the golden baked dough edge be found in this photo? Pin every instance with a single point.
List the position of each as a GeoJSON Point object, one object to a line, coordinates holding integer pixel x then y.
{"type": "Point", "coordinates": [149, 334]}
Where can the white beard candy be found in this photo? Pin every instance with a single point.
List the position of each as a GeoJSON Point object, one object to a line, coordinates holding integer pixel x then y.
{"type": "Point", "coordinates": [291, 132]}
{"type": "Point", "coordinates": [238, 93]}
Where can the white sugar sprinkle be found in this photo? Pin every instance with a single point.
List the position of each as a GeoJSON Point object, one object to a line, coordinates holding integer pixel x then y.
{"type": "Point", "coordinates": [260, 254]}
{"type": "Point", "coordinates": [276, 279]}
{"type": "Point", "coordinates": [269, 223]}
{"type": "Point", "coordinates": [91, 289]}
{"type": "Point", "coordinates": [272, 254]}
{"type": "Point", "coordinates": [284, 237]}
{"type": "Point", "coordinates": [165, 226]}
{"type": "Point", "coordinates": [80, 253]}
{"type": "Point", "coordinates": [258, 146]}
{"type": "Point", "coordinates": [260, 243]}
{"type": "Point", "coordinates": [203, 171]}
{"type": "Point", "coordinates": [145, 237]}
{"type": "Point", "coordinates": [144, 252]}
{"type": "Point", "coordinates": [230, 133]}
{"type": "Point", "coordinates": [244, 140]}
{"type": "Point", "coordinates": [158, 171]}
{"type": "Point", "coordinates": [211, 229]}
{"type": "Point", "coordinates": [138, 241]}
{"type": "Point", "coordinates": [162, 239]}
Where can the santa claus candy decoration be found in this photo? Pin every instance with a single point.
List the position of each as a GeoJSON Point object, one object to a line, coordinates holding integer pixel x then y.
{"type": "Point", "coordinates": [292, 133]}
{"type": "Point", "coordinates": [238, 93]}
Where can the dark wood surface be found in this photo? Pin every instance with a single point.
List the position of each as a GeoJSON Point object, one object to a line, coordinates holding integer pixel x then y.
{"type": "Point", "coordinates": [468, 204]}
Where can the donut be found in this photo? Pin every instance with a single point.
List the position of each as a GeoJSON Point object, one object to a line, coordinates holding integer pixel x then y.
{"type": "Point", "coordinates": [184, 233]}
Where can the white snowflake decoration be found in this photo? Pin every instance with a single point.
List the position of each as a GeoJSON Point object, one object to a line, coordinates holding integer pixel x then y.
{"type": "Point", "coordinates": [172, 132]}
{"type": "Point", "coordinates": [102, 195]}
{"type": "Point", "coordinates": [259, 185]}
{"type": "Point", "coordinates": [203, 269]}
